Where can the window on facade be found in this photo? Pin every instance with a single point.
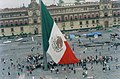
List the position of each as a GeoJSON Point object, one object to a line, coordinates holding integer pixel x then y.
{"type": "Point", "coordinates": [105, 7]}
{"type": "Point", "coordinates": [81, 23]}
{"type": "Point", "coordinates": [105, 14]}
{"type": "Point", "coordinates": [26, 14]}
{"type": "Point", "coordinates": [97, 21]}
{"type": "Point", "coordinates": [118, 13]}
{"type": "Point", "coordinates": [75, 17]}
{"type": "Point", "coordinates": [2, 30]}
{"type": "Point", "coordinates": [114, 14]}
{"type": "Point", "coordinates": [113, 6]}
{"type": "Point", "coordinates": [66, 18]}
{"type": "Point", "coordinates": [97, 15]}
{"type": "Point", "coordinates": [35, 20]}
{"type": "Point", "coordinates": [16, 23]}
{"type": "Point", "coordinates": [6, 24]}
{"type": "Point", "coordinates": [95, 7]}
{"type": "Point", "coordinates": [93, 21]}
{"type": "Point", "coordinates": [10, 15]}
{"type": "Point", "coordinates": [92, 15]}
{"type": "Point", "coordinates": [59, 19]}
{"type": "Point", "coordinates": [85, 8]}
{"type": "Point", "coordinates": [26, 22]}
{"type": "Point", "coordinates": [11, 23]}
{"type": "Point", "coordinates": [80, 16]}
{"type": "Point", "coordinates": [12, 29]}
{"type": "Point", "coordinates": [1, 25]}
{"type": "Point", "coordinates": [114, 19]}
{"type": "Point", "coordinates": [87, 22]}
{"type": "Point", "coordinates": [118, 19]}
{"type": "Point", "coordinates": [55, 19]}
{"type": "Point", "coordinates": [88, 16]}
{"type": "Point", "coordinates": [84, 16]}
{"type": "Point", "coordinates": [21, 29]}
{"type": "Point", "coordinates": [21, 23]}
{"type": "Point", "coordinates": [2, 16]}
{"type": "Point", "coordinates": [71, 18]}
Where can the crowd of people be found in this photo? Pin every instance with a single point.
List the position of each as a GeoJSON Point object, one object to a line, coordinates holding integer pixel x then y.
{"type": "Point", "coordinates": [14, 65]}
{"type": "Point", "coordinates": [35, 61]}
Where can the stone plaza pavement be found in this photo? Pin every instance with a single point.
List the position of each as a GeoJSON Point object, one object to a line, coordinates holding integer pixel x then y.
{"type": "Point", "coordinates": [19, 51]}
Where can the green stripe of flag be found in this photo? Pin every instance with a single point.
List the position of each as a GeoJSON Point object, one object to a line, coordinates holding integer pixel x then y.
{"type": "Point", "coordinates": [47, 24]}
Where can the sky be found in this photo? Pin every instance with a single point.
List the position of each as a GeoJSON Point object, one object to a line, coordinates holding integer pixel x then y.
{"type": "Point", "coordinates": [19, 3]}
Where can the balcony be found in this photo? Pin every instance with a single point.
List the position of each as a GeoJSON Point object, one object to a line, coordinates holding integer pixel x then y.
{"type": "Point", "coordinates": [14, 25]}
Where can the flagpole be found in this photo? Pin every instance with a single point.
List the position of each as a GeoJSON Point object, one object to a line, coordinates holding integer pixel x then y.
{"type": "Point", "coordinates": [44, 52]}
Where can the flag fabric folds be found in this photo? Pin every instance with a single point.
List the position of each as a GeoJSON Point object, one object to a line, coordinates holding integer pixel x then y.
{"type": "Point", "coordinates": [54, 43]}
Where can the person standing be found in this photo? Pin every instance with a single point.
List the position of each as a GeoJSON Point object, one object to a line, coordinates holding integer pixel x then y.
{"type": "Point", "coordinates": [66, 77]}
{"type": "Point", "coordinates": [73, 48]}
{"type": "Point", "coordinates": [74, 71]}
{"type": "Point", "coordinates": [8, 73]}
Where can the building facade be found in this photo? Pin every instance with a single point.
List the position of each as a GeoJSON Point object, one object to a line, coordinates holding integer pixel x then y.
{"type": "Point", "coordinates": [15, 21]}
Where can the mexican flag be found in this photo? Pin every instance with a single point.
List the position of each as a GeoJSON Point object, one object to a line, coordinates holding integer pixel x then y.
{"type": "Point", "coordinates": [54, 42]}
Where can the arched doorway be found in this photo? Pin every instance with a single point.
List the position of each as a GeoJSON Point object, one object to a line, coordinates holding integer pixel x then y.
{"type": "Point", "coordinates": [36, 31]}
{"type": "Point", "coordinates": [106, 24]}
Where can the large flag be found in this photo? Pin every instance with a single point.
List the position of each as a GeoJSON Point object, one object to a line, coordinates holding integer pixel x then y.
{"type": "Point", "coordinates": [54, 42]}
